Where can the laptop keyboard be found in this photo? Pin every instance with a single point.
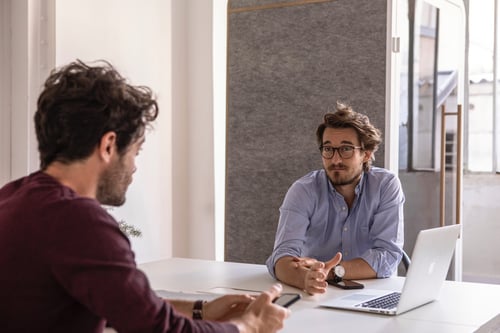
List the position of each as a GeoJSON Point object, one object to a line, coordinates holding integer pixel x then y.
{"type": "Point", "coordinates": [388, 301]}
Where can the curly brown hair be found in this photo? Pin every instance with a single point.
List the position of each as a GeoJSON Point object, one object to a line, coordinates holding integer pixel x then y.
{"type": "Point", "coordinates": [80, 103]}
{"type": "Point", "coordinates": [344, 117]}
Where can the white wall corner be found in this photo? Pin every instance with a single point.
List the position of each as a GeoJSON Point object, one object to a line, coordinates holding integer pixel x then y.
{"type": "Point", "coordinates": [5, 91]}
{"type": "Point", "coordinates": [32, 49]}
{"type": "Point", "coordinates": [393, 69]}
{"type": "Point", "coordinates": [201, 123]}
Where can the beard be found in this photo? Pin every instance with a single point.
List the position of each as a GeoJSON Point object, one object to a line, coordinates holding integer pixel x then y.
{"type": "Point", "coordinates": [113, 184]}
{"type": "Point", "coordinates": [341, 180]}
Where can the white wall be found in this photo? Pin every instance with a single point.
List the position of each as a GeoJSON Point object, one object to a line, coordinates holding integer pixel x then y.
{"type": "Point", "coordinates": [195, 141]}
{"type": "Point", "coordinates": [164, 44]}
{"type": "Point", "coordinates": [26, 58]}
{"type": "Point", "coordinates": [5, 134]}
{"type": "Point", "coordinates": [198, 117]}
{"type": "Point", "coordinates": [136, 38]}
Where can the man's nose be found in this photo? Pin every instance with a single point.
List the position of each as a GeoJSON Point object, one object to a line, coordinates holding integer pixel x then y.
{"type": "Point", "coordinates": [336, 156]}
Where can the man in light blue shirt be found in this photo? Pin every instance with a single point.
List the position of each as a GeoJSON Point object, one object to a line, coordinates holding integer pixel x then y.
{"type": "Point", "coordinates": [349, 214]}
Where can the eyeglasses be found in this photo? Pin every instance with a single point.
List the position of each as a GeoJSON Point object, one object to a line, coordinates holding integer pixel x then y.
{"type": "Point", "coordinates": [345, 151]}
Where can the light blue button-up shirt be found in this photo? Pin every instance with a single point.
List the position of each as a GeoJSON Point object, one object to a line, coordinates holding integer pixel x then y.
{"type": "Point", "coordinates": [316, 222]}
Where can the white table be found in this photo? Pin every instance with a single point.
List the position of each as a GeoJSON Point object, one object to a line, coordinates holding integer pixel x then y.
{"type": "Point", "coordinates": [462, 307]}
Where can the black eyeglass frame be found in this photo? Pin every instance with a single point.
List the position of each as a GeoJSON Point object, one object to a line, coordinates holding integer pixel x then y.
{"type": "Point", "coordinates": [338, 149]}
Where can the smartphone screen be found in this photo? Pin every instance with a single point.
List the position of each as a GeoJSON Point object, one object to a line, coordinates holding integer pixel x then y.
{"type": "Point", "coordinates": [346, 284]}
{"type": "Point", "coordinates": [287, 299]}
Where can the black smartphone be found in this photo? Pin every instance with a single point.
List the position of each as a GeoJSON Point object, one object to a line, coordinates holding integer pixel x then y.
{"type": "Point", "coordinates": [286, 299]}
{"type": "Point", "coordinates": [346, 284]}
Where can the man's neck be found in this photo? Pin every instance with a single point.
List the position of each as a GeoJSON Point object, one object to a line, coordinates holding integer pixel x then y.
{"type": "Point", "coordinates": [81, 177]}
{"type": "Point", "coordinates": [348, 192]}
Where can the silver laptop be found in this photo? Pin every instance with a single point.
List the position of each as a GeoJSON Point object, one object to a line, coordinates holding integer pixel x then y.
{"type": "Point", "coordinates": [429, 265]}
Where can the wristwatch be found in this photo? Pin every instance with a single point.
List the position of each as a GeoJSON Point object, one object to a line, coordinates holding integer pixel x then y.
{"type": "Point", "coordinates": [198, 309]}
{"type": "Point", "coordinates": [338, 273]}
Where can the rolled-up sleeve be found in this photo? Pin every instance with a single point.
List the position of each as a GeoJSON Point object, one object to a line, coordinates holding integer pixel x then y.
{"type": "Point", "coordinates": [387, 230]}
{"type": "Point", "coordinates": [292, 226]}
{"type": "Point", "coordinates": [303, 219]}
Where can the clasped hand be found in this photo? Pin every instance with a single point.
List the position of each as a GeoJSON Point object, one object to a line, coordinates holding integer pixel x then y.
{"type": "Point", "coordinates": [317, 272]}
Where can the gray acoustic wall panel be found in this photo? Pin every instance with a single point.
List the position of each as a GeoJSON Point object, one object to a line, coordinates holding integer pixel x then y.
{"type": "Point", "coordinates": [288, 64]}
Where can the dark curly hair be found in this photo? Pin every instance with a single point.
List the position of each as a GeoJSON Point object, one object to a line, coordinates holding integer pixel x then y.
{"type": "Point", "coordinates": [344, 117]}
{"type": "Point", "coordinates": [80, 103]}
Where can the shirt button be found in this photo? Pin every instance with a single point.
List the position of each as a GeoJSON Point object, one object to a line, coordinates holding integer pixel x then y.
{"type": "Point", "coordinates": [345, 228]}
{"type": "Point", "coordinates": [343, 208]}
{"type": "Point", "coordinates": [346, 253]}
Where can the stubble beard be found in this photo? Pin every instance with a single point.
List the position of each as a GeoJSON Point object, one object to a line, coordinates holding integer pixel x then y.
{"type": "Point", "coordinates": [337, 180]}
{"type": "Point", "coordinates": [113, 185]}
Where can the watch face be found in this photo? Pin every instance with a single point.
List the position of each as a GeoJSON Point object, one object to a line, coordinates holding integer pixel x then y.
{"type": "Point", "coordinates": [339, 271]}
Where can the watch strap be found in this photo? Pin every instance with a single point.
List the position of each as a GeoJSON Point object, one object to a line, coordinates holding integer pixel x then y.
{"type": "Point", "coordinates": [198, 309]}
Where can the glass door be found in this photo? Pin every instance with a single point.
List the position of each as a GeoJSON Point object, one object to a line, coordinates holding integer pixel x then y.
{"type": "Point", "coordinates": [430, 128]}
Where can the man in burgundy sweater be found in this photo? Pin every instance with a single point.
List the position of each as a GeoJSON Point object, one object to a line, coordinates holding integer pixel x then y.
{"type": "Point", "coordinates": [65, 264]}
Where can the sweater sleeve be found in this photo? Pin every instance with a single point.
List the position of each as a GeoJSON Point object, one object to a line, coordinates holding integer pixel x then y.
{"type": "Point", "coordinates": [92, 260]}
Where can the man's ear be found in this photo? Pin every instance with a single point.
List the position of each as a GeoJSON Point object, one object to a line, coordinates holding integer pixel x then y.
{"type": "Point", "coordinates": [368, 155]}
{"type": "Point", "coordinates": [107, 146]}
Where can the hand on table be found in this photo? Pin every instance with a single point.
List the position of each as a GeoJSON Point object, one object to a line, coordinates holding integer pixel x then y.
{"type": "Point", "coordinates": [226, 307]}
{"type": "Point", "coordinates": [315, 278]}
{"type": "Point", "coordinates": [261, 315]}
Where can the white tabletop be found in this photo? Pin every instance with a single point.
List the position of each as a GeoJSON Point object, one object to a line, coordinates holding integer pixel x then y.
{"type": "Point", "coordinates": [462, 307]}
